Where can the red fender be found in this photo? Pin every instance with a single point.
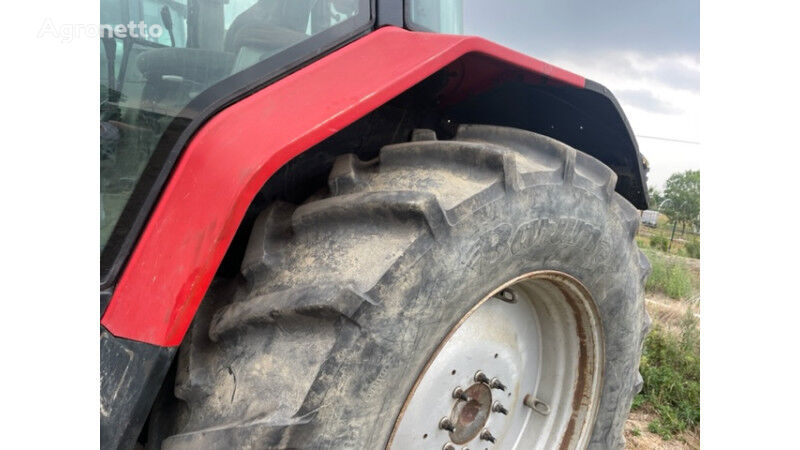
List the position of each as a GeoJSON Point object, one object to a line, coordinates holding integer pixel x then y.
{"type": "Point", "coordinates": [231, 157]}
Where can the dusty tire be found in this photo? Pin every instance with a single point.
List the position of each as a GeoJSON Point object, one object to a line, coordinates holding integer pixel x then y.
{"type": "Point", "coordinates": [345, 297]}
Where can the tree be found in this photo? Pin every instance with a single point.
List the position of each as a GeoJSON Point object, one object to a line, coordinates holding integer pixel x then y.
{"type": "Point", "coordinates": [682, 198]}
{"type": "Point", "coordinates": [656, 197]}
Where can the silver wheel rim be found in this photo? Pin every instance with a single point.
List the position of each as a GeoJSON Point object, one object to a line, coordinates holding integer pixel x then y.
{"type": "Point", "coordinates": [536, 345]}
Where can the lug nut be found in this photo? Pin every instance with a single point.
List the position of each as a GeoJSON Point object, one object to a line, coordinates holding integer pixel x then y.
{"type": "Point", "coordinates": [449, 446]}
{"type": "Point", "coordinates": [481, 377]}
{"type": "Point", "coordinates": [499, 408]}
{"type": "Point", "coordinates": [446, 424]}
{"type": "Point", "coordinates": [496, 384]}
{"type": "Point", "coordinates": [458, 393]}
{"type": "Point", "coordinates": [486, 436]}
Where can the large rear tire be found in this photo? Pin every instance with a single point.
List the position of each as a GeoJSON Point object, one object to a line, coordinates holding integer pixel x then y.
{"type": "Point", "coordinates": [345, 299]}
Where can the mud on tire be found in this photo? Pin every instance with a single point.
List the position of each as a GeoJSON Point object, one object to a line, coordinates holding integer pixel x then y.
{"type": "Point", "coordinates": [343, 299]}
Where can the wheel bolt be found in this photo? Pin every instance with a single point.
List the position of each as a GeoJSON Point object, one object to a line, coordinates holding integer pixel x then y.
{"type": "Point", "coordinates": [486, 436]}
{"type": "Point", "coordinates": [496, 384]}
{"type": "Point", "coordinates": [499, 408]}
{"type": "Point", "coordinates": [481, 377]}
{"type": "Point", "coordinates": [458, 393]}
{"type": "Point", "coordinates": [446, 424]}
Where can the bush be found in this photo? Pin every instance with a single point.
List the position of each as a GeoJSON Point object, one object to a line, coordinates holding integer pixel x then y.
{"type": "Point", "coordinates": [670, 368]}
{"type": "Point", "coordinates": [659, 243]}
{"type": "Point", "coordinates": [693, 249]}
{"type": "Point", "coordinates": [670, 277]}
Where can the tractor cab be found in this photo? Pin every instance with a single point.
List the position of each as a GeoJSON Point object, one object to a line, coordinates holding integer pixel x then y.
{"type": "Point", "coordinates": [158, 58]}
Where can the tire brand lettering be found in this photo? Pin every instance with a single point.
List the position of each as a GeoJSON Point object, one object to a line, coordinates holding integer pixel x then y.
{"type": "Point", "coordinates": [489, 248]}
{"type": "Point", "coordinates": [560, 231]}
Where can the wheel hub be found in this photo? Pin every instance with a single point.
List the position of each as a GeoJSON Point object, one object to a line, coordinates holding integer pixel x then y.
{"type": "Point", "coordinates": [530, 356]}
{"type": "Point", "coordinates": [470, 413]}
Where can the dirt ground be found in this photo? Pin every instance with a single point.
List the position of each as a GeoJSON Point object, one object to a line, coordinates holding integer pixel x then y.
{"type": "Point", "coordinates": [669, 313]}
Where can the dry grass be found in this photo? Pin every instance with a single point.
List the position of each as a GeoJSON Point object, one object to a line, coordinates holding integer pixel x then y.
{"type": "Point", "coordinates": [637, 436]}
{"type": "Point", "coordinates": [669, 313]}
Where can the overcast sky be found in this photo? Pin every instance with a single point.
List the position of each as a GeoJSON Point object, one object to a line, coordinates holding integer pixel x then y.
{"type": "Point", "coordinates": [647, 52]}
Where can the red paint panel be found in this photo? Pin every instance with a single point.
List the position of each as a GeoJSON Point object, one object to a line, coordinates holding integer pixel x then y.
{"type": "Point", "coordinates": [235, 153]}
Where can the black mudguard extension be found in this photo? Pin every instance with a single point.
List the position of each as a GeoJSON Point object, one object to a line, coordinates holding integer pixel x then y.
{"type": "Point", "coordinates": [588, 119]}
{"type": "Point", "coordinates": [130, 376]}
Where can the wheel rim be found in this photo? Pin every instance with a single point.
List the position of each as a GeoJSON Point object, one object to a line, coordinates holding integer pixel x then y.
{"type": "Point", "coordinates": [522, 369]}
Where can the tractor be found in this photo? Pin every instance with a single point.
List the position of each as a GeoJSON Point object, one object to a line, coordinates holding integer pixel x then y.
{"type": "Point", "coordinates": [344, 224]}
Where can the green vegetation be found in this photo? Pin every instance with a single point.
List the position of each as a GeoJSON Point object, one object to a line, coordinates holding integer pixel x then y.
{"type": "Point", "coordinates": [670, 364]}
{"type": "Point", "coordinates": [669, 276]}
{"type": "Point", "coordinates": [659, 243]}
{"type": "Point", "coordinates": [656, 197]}
{"type": "Point", "coordinates": [670, 368]}
{"type": "Point", "coordinates": [658, 238]}
{"type": "Point", "coordinates": [692, 249]}
{"type": "Point", "coordinates": [679, 205]}
{"type": "Point", "coordinates": [681, 199]}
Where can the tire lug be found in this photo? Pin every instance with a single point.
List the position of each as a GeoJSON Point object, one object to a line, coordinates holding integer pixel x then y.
{"type": "Point", "coordinates": [487, 436]}
{"type": "Point", "coordinates": [446, 424]}
{"type": "Point", "coordinates": [459, 394]}
{"type": "Point", "coordinates": [499, 408]}
{"type": "Point", "coordinates": [481, 377]}
{"type": "Point", "coordinates": [496, 384]}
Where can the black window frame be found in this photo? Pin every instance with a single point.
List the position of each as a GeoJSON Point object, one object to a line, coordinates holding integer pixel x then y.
{"type": "Point", "coordinates": [194, 115]}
